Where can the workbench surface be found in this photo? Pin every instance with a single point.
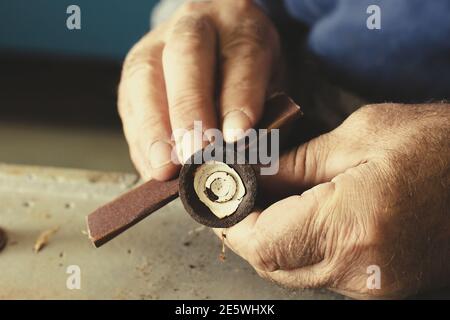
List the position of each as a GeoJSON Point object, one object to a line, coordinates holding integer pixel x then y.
{"type": "Point", "coordinates": [166, 256]}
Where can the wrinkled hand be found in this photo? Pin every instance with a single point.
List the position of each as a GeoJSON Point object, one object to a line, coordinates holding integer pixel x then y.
{"type": "Point", "coordinates": [378, 194]}
{"type": "Point", "coordinates": [171, 77]}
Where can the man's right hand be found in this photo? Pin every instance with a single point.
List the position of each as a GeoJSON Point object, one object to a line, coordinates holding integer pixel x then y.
{"type": "Point", "coordinates": [224, 49]}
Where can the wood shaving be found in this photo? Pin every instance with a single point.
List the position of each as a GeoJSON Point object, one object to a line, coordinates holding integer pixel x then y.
{"type": "Point", "coordinates": [196, 231]}
{"type": "Point", "coordinates": [44, 238]}
{"type": "Point", "coordinates": [144, 268]}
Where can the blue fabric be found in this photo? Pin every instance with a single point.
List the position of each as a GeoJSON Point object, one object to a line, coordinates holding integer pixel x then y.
{"type": "Point", "coordinates": [408, 59]}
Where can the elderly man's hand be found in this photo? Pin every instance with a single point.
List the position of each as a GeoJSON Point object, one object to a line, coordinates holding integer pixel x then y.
{"type": "Point", "coordinates": [227, 49]}
{"type": "Point", "coordinates": [378, 196]}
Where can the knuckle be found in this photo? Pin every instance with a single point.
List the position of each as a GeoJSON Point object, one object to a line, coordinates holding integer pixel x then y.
{"type": "Point", "coordinates": [187, 104]}
{"type": "Point", "coordinates": [366, 111]}
{"type": "Point", "coordinates": [140, 61]}
{"type": "Point", "coordinates": [366, 120]}
{"type": "Point", "coordinates": [248, 38]}
{"type": "Point", "coordinates": [150, 125]}
{"type": "Point", "coordinates": [370, 112]}
{"type": "Point", "coordinates": [183, 47]}
{"type": "Point", "coordinates": [192, 7]}
{"type": "Point", "coordinates": [361, 116]}
{"type": "Point", "coordinates": [245, 83]}
{"type": "Point", "coordinates": [189, 7]}
{"type": "Point", "coordinates": [192, 25]}
{"type": "Point", "coordinates": [189, 34]}
{"type": "Point", "coordinates": [243, 5]}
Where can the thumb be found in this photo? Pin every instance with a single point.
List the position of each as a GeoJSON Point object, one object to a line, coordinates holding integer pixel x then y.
{"type": "Point", "coordinates": [314, 162]}
{"type": "Point", "coordinates": [287, 235]}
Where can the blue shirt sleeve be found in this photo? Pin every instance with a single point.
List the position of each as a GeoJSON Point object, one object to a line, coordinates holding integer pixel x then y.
{"type": "Point", "coordinates": [408, 59]}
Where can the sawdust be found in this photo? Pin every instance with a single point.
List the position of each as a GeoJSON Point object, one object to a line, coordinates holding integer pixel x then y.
{"type": "Point", "coordinates": [192, 234]}
{"type": "Point", "coordinates": [44, 238]}
{"type": "Point", "coordinates": [144, 269]}
{"type": "Point", "coordinates": [196, 231]}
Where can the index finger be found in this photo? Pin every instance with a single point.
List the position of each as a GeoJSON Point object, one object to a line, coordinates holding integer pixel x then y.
{"type": "Point", "coordinates": [189, 62]}
{"type": "Point", "coordinates": [249, 49]}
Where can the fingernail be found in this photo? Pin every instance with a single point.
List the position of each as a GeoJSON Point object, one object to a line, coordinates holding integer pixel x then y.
{"type": "Point", "coordinates": [191, 142]}
{"type": "Point", "coordinates": [160, 154]}
{"type": "Point", "coordinates": [235, 123]}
